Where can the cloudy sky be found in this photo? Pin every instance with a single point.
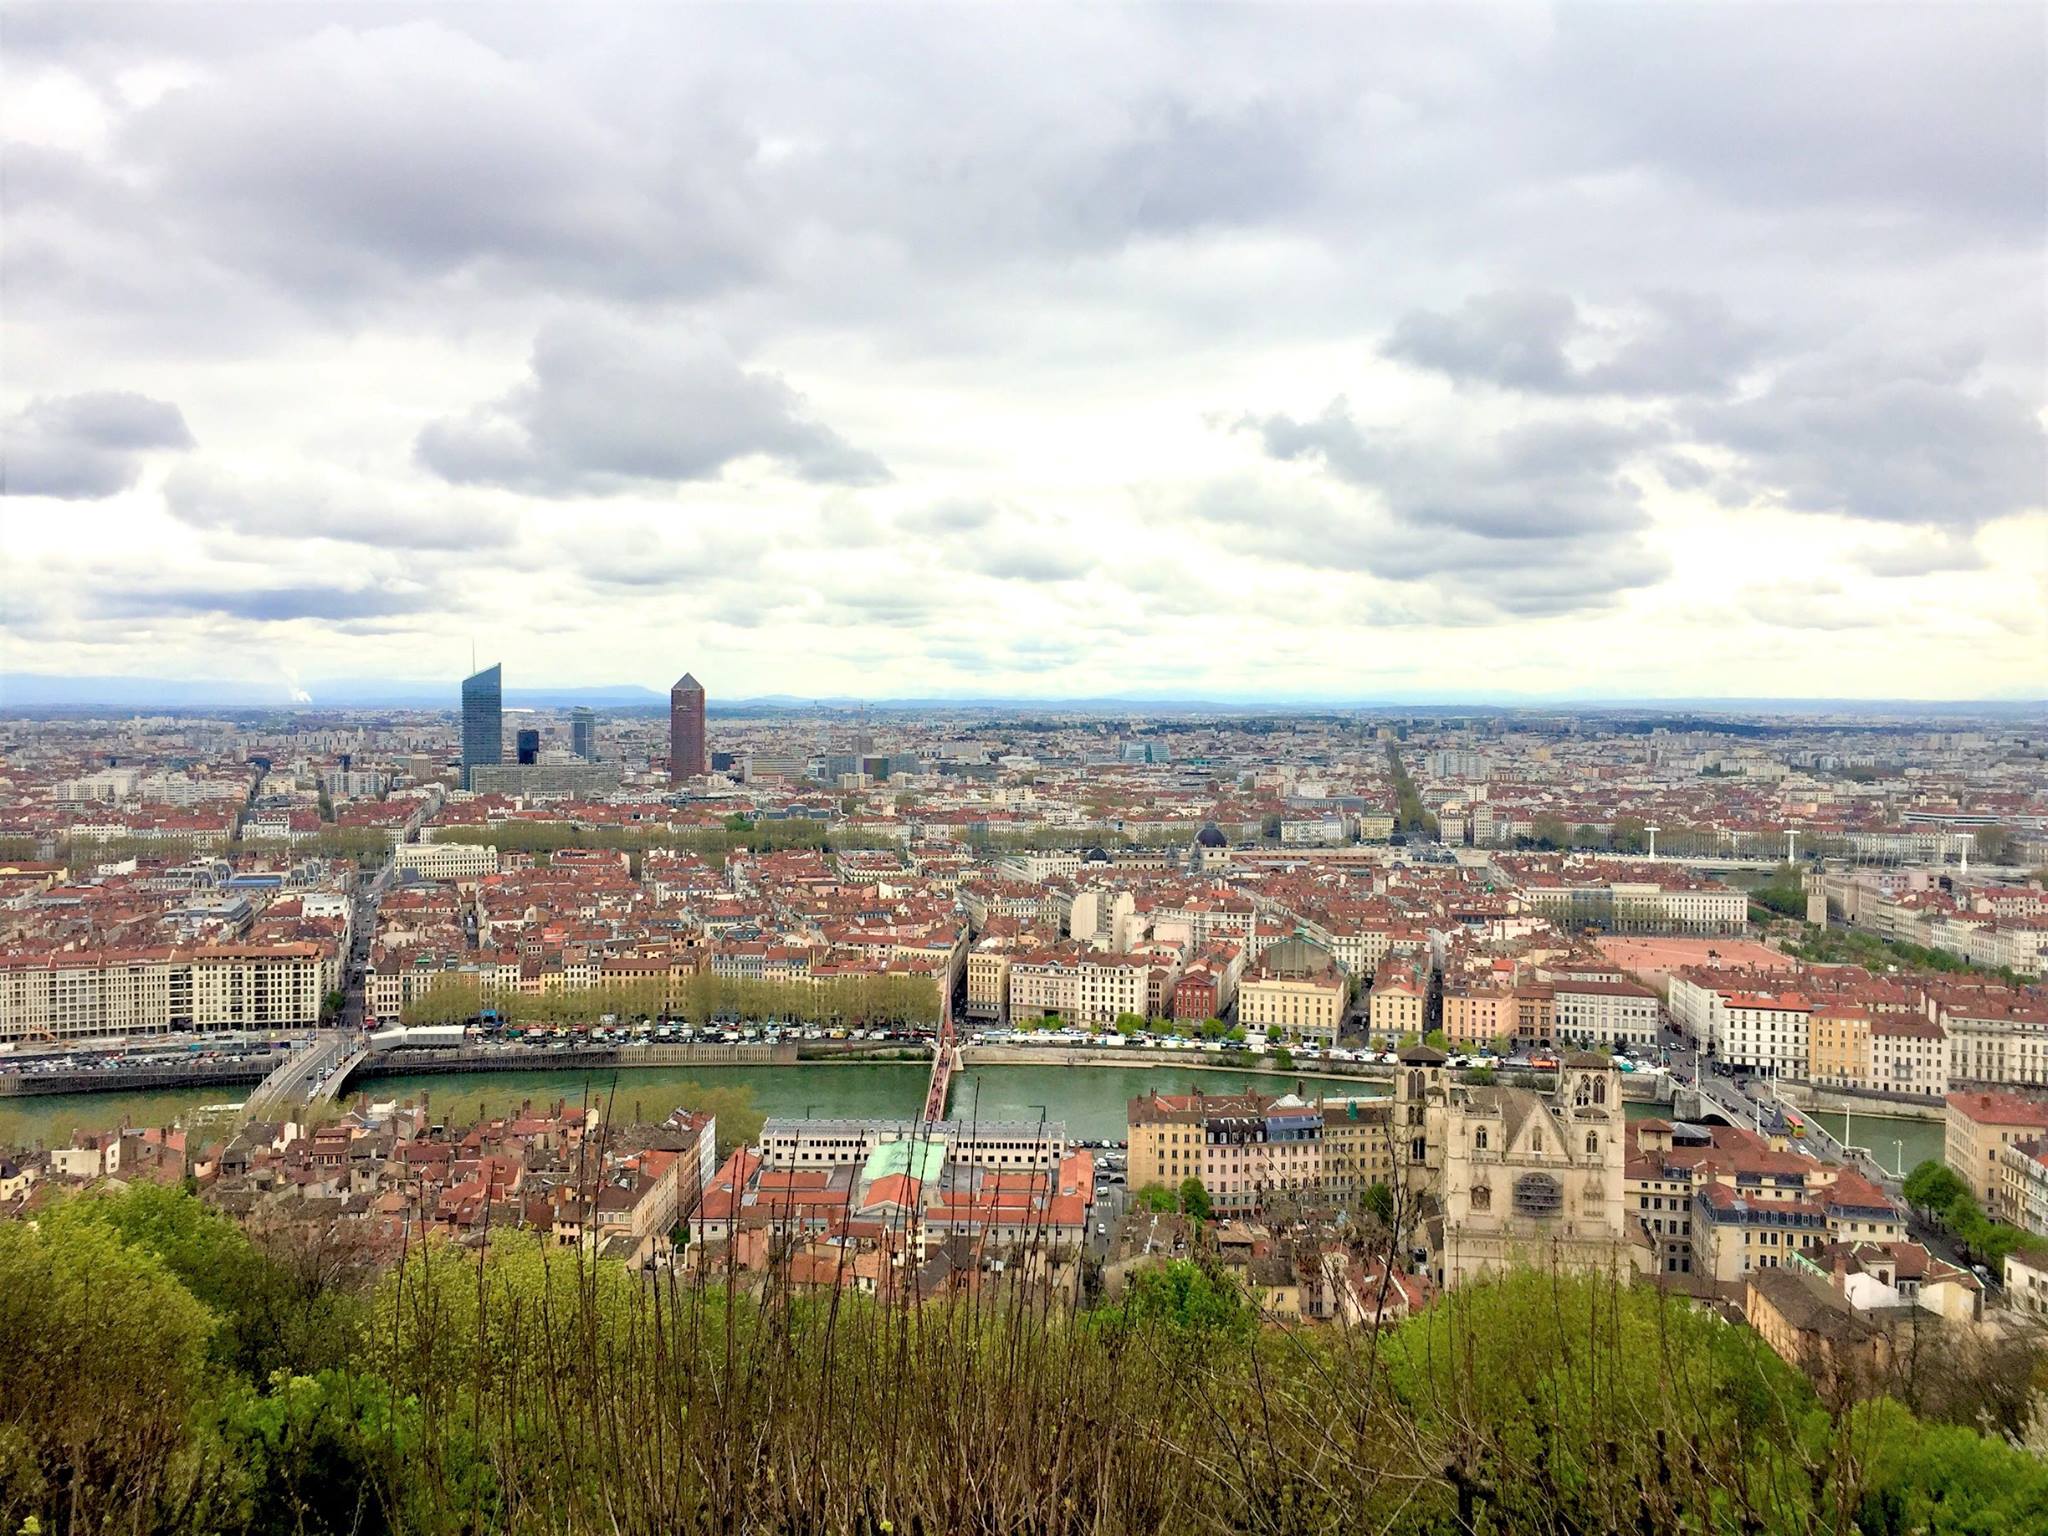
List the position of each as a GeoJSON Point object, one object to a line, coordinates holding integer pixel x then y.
{"type": "Point", "coordinates": [1611, 351]}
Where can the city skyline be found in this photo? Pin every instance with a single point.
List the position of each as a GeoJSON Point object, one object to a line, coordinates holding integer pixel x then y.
{"type": "Point", "coordinates": [1586, 354]}
{"type": "Point", "coordinates": [33, 692]}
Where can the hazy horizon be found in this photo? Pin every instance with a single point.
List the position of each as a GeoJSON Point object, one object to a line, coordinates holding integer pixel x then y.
{"type": "Point", "coordinates": [353, 694]}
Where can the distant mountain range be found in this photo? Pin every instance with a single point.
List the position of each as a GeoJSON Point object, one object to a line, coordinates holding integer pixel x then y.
{"type": "Point", "coordinates": [20, 691]}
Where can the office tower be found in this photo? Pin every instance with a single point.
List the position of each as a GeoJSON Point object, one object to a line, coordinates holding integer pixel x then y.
{"type": "Point", "coordinates": [483, 719]}
{"type": "Point", "coordinates": [529, 748]}
{"type": "Point", "coordinates": [583, 733]}
{"type": "Point", "coordinates": [686, 731]}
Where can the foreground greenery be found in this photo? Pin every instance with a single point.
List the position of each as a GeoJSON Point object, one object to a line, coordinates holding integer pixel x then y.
{"type": "Point", "coordinates": [166, 1373]}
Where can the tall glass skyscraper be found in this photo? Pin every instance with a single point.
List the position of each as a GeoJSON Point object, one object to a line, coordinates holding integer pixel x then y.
{"type": "Point", "coordinates": [483, 719]}
{"type": "Point", "coordinates": [583, 733]}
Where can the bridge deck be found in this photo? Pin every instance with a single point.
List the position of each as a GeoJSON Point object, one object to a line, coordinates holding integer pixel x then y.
{"type": "Point", "coordinates": [943, 1055]}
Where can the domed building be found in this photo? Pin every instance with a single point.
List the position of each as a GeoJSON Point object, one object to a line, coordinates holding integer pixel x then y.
{"type": "Point", "coordinates": [1295, 989]}
{"type": "Point", "coordinates": [1211, 849]}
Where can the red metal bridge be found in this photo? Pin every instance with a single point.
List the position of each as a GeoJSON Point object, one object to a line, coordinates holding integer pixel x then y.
{"type": "Point", "coordinates": [943, 1052]}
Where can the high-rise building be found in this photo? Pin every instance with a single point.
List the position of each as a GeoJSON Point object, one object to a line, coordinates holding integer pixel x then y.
{"type": "Point", "coordinates": [583, 733]}
{"type": "Point", "coordinates": [483, 719]}
{"type": "Point", "coordinates": [686, 731]}
{"type": "Point", "coordinates": [529, 747]}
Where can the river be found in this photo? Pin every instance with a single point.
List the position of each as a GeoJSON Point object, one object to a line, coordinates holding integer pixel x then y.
{"type": "Point", "coordinates": [1091, 1100]}
{"type": "Point", "coordinates": [1890, 1138]}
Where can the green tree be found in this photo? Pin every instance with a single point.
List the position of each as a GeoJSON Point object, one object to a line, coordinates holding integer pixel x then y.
{"type": "Point", "coordinates": [1938, 1477]}
{"type": "Point", "coordinates": [1185, 1296]}
{"type": "Point", "coordinates": [1156, 1197]}
{"type": "Point", "coordinates": [1932, 1187]}
{"type": "Point", "coordinates": [1194, 1198]}
{"type": "Point", "coordinates": [104, 1353]}
{"type": "Point", "coordinates": [330, 1453]}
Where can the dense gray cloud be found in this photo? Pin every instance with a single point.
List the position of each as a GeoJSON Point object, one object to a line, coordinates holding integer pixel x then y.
{"type": "Point", "coordinates": [323, 507]}
{"type": "Point", "coordinates": [1536, 520]}
{"type": "Point", "coordinates": [1541, 480]}
{"type": "Point", "coordinates": [363, 159]}
{"type": "Point", "coordinates": [1668, 344]}
{"type": "Point", "coordinates": [1894, 441]}
{"type": "Point", "coordinates": [82, 447]}
{"type": "Point", "coordinates": [1787, 106]}
{"type": "Point", "coordinates": [606, 408]}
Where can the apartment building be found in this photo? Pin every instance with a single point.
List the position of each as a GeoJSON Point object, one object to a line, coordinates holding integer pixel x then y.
{"type": "Point", "coordinates": [1908, 1055]}
{"type": "Point", "coordinates": [1766, 1032]}
{"type": "Point", "coordinates": [1108, 986]}
{"type": "Point", "coordinates": [2023, 1184]}
{"type": "Point", "coordinates": [1400, 1003]}
{"type": "Point", "coordinates": [77, 995]}
{"type": "Point", "coordinates": [988, 976]}
{"type": "Point", "coordinates": [1995, 1037]}
{"type": "Point", "coordinates": [1358, 1147]}
{"type": "Point", "coordinates": [1256, 1147]}
{"type": "Point", "coordinates": [995, 1144]}
{"type": "Point", "coordinates": [1045, 984]}
{"type": "Point", "coordinates": [1979, 1122]}
{"type": "Point", "coordinates": [1478, 1013]}
{"type": "Point", "coordinates": [1295, 987]}
{"type": "Point", "coordinates": [1163, 1139]}
{"type": "Point", "coordinates": [1616, 1015]}
{"type": "Point", "coordinates": [461, 862]}
{"type": "Point", "coordinates": [1838, 1046]}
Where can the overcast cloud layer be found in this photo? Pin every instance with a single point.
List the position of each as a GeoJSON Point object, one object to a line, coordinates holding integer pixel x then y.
{"type": "Point", "coordinates": [1341, 353]}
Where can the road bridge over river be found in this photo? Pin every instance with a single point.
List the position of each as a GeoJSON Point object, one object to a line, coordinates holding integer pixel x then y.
{"type": "Point", "coordinates": [303, 1077]}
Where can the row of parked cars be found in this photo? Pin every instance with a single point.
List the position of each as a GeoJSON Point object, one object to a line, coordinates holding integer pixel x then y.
{"type": "Point", "coordinates": [617, 1034]}
{"type": "Point", "coordinates": [1251, 1045]}
{"type": "Point", "coordinates": [156, 1057]}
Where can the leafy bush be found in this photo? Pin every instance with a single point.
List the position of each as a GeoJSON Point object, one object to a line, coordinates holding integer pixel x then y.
{"type": "Point", "coordinates": [529, 1388]}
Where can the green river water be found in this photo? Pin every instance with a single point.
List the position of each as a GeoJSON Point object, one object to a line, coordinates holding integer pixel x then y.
{"type": "Point", "coordinates": [1091, 1100]}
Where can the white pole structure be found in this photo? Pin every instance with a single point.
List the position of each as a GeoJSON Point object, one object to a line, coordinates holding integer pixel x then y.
{"type": "Point", "coordinates": [1791, 845]}
{"type": "Point", "coordinates": [1653, 841]}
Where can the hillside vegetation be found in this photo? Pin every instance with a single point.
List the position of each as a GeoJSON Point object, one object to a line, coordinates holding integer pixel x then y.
{"type": "Point", "coordinates": [166, 1373]}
